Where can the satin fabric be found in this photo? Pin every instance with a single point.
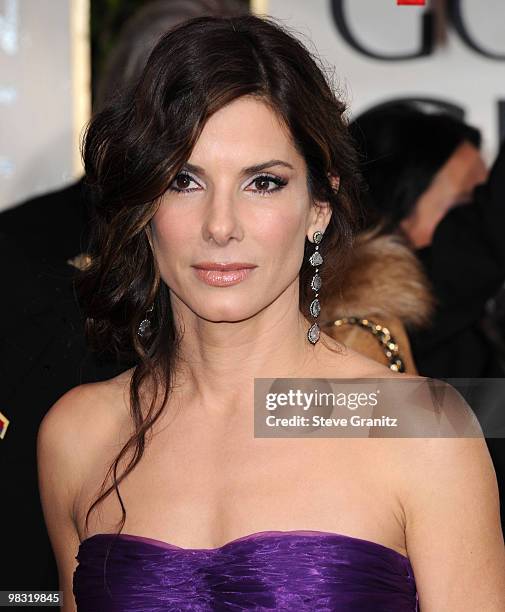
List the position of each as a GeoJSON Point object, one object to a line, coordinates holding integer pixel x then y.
{"type": "Point", "coordinates": [298, 571]}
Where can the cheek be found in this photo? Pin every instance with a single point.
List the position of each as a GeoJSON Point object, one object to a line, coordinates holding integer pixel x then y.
{"type": "Point", "coordinates": [169, 237]}
{"type": "Point", "coordinates": [281, 235]}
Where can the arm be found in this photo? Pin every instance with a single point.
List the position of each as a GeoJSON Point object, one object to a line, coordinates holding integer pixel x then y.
{"type": "Point", "coordinates": [453, 532]}
{"type": "Point", "coordinates": [59, 475]}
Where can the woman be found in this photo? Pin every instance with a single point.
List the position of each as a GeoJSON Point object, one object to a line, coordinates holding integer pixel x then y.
{"type": "Point", "coordinates": [428, 181]}
{"type": "Point", "coordinates": [232, 152]}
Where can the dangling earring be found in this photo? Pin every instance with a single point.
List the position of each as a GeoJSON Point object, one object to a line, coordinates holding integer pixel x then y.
{"type": "Point", "coordinates": [144, 329]}
{"type": "Point", "coordinates": [315, 306]}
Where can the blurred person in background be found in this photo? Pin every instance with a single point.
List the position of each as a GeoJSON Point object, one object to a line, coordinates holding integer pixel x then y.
{"type": "Point", "coordinates": [428, 183]}
{"type": "Point", "coordinates": [42, 346]}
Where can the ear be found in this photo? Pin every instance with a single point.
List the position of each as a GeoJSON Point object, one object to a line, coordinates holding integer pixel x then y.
{"type": "Point", "coordinates": [320, 213]}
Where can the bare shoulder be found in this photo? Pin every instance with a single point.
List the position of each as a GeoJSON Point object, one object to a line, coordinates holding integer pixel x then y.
{"type": "Point", "coordinates": [86, 408]}
{"type": "Point", "coordinates": [69, 437]}
{"type": "Point", "coordinates": [446, 486]}
{"type": "Point", "coordinates": [81, 421]}
{"type": "Point", "coordinates": [452, 509]}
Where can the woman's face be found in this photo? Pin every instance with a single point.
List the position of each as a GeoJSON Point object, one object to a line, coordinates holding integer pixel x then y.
{"type": "Point", "coordinates": [241, 199]}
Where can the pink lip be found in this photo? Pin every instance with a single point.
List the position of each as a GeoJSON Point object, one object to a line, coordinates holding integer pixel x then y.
{"type": "Point", "coordinates": [214, 265]}
{"type": "Point", "coordinates": [222, 278]}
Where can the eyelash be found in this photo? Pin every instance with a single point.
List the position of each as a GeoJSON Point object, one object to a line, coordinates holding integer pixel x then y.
{"type": "Point", "coordinates": [280, 182]}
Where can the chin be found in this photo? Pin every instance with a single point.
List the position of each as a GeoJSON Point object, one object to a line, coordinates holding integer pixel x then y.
{"type": "Point", "coordinates": [231, 310]}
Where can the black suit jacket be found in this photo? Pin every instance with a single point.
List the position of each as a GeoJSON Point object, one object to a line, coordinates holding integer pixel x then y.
{"type": "Point", "coordinates": [43, 354]}
{"type": "Point", "coordinates": [51, 226]}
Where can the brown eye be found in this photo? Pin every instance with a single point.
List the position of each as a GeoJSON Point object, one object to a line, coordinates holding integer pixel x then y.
{"type": "Point", "coordinates": [262, 182]}
{"type": "Point", "coordinates": [181, 182]}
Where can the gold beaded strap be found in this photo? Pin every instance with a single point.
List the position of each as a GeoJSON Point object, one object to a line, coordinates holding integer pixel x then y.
{"type": "Point", "coordinates": [383, 335]}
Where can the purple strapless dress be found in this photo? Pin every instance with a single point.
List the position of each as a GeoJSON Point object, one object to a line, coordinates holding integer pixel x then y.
{"type": "Point", "coordinates": [299, 571]}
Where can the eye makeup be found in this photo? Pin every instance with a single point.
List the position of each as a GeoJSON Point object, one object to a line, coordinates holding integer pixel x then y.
{"type": "Point", "coordinates": [266, 177]}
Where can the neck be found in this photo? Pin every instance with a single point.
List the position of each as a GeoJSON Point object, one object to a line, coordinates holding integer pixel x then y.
{"type": "Point", "coordinates": [218, 361]}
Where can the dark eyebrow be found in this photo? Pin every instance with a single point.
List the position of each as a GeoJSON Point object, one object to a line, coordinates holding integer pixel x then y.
{"type": "Point", "coordinates": [244, 171]}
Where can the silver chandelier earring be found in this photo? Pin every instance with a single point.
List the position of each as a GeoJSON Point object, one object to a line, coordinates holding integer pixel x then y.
{"type": "Point", "coordinates": [144, 329]}
{"type": "Point", "coordinates": [315, 306]}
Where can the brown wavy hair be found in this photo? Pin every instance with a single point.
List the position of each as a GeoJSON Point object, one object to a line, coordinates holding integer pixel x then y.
{"type": "Point", "coordinates": [136, 145]}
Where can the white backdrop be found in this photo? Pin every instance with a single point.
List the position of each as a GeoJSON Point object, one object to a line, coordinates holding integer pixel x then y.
{"type": "Point", "coordinates": [453, 73]}
{"type": "Point", "coordinates": [44, 94]}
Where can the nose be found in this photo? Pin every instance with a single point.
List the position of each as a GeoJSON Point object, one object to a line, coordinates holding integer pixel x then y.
{"type": "Point", "coordinates": [221, 222]}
